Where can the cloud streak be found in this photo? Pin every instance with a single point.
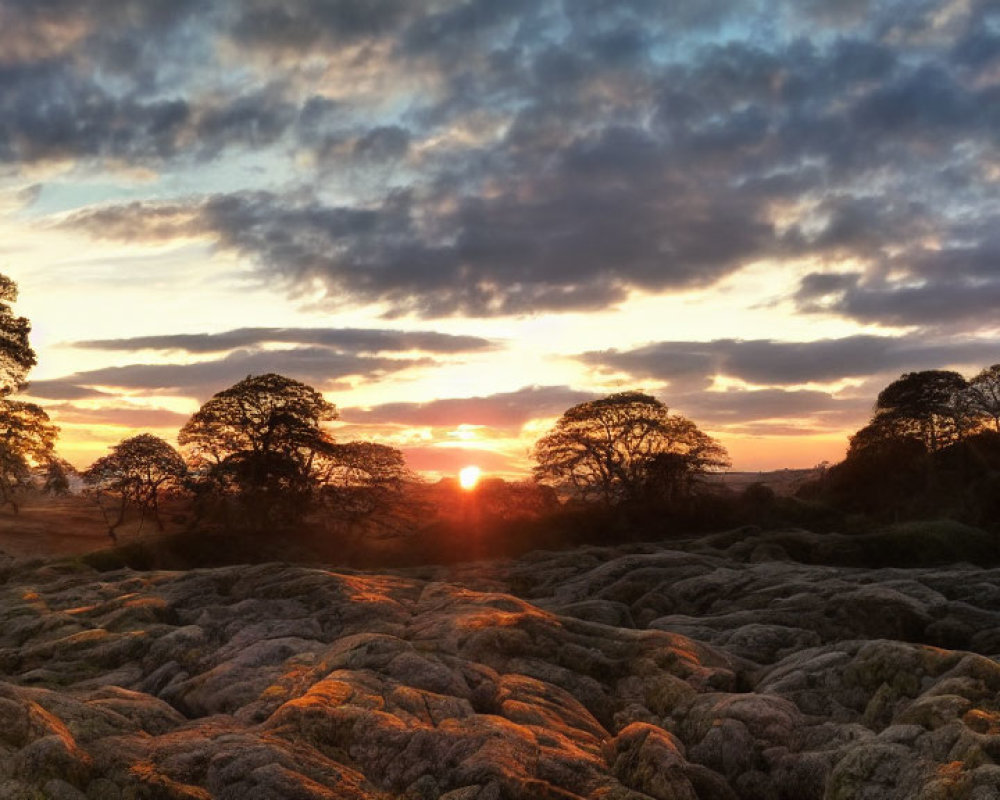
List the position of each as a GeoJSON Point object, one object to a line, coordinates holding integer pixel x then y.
{"type": "Point", "coordinates": [352, 340]}
{"type": "Point", "coordinates": [776, 363]}
{"type": "Point", "coordinates": [319, 366]}
{"type": "Point", "coordinates": [502, 410]}
{"type": "Point", "coordinates": [121, 416]}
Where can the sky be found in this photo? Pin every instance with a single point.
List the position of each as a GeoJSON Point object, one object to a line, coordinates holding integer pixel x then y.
{"type": "Point", "coordinates": [458, 218]}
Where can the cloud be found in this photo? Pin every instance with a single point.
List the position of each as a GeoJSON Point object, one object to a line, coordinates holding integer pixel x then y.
{"type": "Point", "coordinates": [452, 459]}
{"type": "Point", "coordinates": [488, 158]}
{"type": "Point", "coordinates": [383, 143]}
{"type": "Point", "coordinates": [502, 410]}
{"type": "Point", "coordinates": [777, 363]}
{"type": "Point", "coordinates": [318, 366]}
{"type": "Point", "coordinates": [82, 122]}
{"type": "Point", "coordinates": [78, 120]}
{"type": "Point", "coordinates": [742, 406]}
{"type": "Point", "coordinates": [943, 301]}
{"type": "Point", "coordinates": [61, 389]}
{"type": "Point", "coordinates": [108, 30]}
{"type": "Point", "coordinates": [582, 242]}
{"type": "Point", "coordinates": [783, 429]}
{"type": "Point", "coordinates": [744, 412]}
{"type": "Point", "coordinates": [955, 286]}
{"type": "Point", "coordinates": [84, 80]}
{"type": "Point", "coordinates": [353, 340]}
{"type": "Point", "coordinates": [121, 416]}
{"type": "Point", "coordinates": [295, 25]}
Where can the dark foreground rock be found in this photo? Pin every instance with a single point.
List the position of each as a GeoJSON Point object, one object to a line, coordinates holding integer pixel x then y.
{"type": "Point", "coordinates": [595, 673]}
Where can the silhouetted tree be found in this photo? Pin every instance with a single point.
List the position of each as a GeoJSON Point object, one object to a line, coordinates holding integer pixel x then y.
{"type": "Point", "coordinates": [27, 439]}
{"type": "Point", "coordinates": [16, 355]}
{"type": "Point", "coordinates": [925, 451]}
{"type": "Point", "coordinates": [624, 447]}
{"type": "Point", "coordinates": [514, 500]}
{"type": "Point", "coordinates": [974, 467]}
{"type": "Point", "coordinates": [930, 406]}
{"type": "Point", "coordinates": [669, 477]}
{"type": "Point", "coordinates": [137, 471]}
{"type": "Point", "coordinates": [884, 470]}
{"type": "Point", "coordinates": [260, 442]}
{"type": "Point", "coordinates": [984, 394]}
{"type": "Point", "coordinates": [55, 476]}
{"type": "Point", "coordinates": [357, 478]}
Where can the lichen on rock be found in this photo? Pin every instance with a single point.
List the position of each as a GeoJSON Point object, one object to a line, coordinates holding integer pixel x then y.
{"type": "Point", "coordinates": [621, 674]}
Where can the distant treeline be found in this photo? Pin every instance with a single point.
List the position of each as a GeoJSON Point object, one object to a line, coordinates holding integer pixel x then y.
{"type": "Point", "coordinates": [258, 466]}
{"type": "Point", "coordinates": [622, 469]}
{"type": "Point", "coordinates": [931, 450]}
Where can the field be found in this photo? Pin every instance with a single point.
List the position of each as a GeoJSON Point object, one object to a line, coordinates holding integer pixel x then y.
{"type": "Point", "coordinates": [45, 527]}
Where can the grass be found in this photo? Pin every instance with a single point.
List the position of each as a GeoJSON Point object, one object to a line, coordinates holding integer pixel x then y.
{"type": "Point", "coordinates": [924, 543]}
{"type": "Point", "coordinates": [806, 532]}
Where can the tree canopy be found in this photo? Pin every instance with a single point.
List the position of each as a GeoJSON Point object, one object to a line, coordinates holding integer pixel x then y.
{"type": "Point", "coordinates": [27, 437]}
{"type": "Point", "coordinates": [357, 478]}
{"type": "Point", "coordinates": [261, 447]}
{"type": "Point", "coordinates": [55, 476]}
{"type": "Point", "coordinates": [261, 414]}
{"type": "Point", "coordinates": [984, 395]}
{"type": "Point", "coordinates": [16, 355]}
{"type": "Point", "coordinates": [624, 447]}
{"type": "Point", "coordinates": [137, 470]}
{"type": "Point", "coordinates": [930, 406]}
{"type": "Point", "coordinates": [261, 441]}
{"type": "Point", "coordinates": [930, 447]}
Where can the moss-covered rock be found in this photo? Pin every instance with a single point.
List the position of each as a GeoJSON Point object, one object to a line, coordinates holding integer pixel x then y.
{"type": "Point", "coordinates": [622, 674]}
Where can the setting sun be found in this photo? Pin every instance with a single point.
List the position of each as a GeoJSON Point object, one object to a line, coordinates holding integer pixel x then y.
{"type": "Point", "coordinates": [468, 477]}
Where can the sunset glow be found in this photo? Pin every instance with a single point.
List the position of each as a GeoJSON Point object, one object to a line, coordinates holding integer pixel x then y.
{"type": "Point", "coordinates": [468, 477]}
{"type": "Point", "coordinates": [454, 257]}
{"type": "Point", "coordinates": [490, 398]}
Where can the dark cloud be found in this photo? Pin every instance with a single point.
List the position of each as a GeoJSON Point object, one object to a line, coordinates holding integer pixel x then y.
{"type": "Point", "coordinates": [383, 143]}
{"type": "Point", "coordinates": [318, 366]}
{"type": "Point", "coordinates": [818, 285]}
{"type": "Point", "coordinates": [586, 237]}
{"type": "Point", "coordinates": [96, 80]}
{"type": "Point", "coordinates": [79, 119]}
{"type": "Point", "coordinates": [742, 406]}
{"type": "Point", "coordinates": [503, 410]}
{"type": "Point", "coordinates": [770, 362]}
{"type": "Point", "coordinates": [61, 390]}
{"type": "Point", "coordinates": [254, 120]}
{"type": "Point", "coordinates": [944, 302]}
{"type": "Point", "coordinates": [464, 34]}
{"type": "Point", "coordinates": [978, 49]}
{"type": "Point", "coordinates": [111, 33]}
{"type": "Point", "coordinates": [956, 286]}
{"type": "Point", "coordinates": [928, 100]}
{"type": "Point", "coordinates": [492, 158]}
{"type": "Point", "coordinates": [353, 340]}
{"type": "Point", "coordinates": [295, 25]}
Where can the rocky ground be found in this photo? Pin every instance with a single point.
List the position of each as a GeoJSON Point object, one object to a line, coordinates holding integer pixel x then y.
{"type": "Point", "coordinates": [713, 670]}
